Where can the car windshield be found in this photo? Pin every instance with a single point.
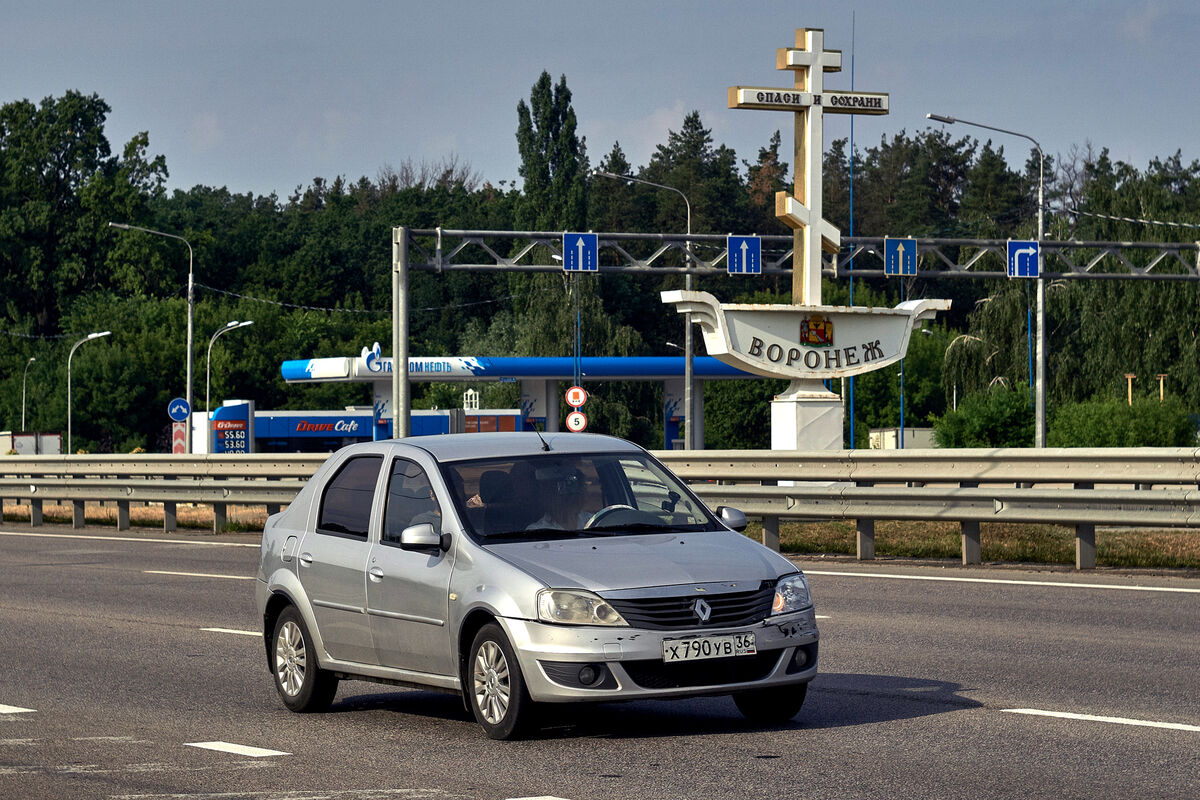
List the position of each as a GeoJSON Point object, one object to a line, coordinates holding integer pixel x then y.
{"type": "Point", "coordinates": [555, 495]}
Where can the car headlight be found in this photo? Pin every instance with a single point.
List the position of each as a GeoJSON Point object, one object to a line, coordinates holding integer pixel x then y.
{"type": "Point", "coordinates": [791, 594]}
{"type": "Point", "coordinates": [573, 607]}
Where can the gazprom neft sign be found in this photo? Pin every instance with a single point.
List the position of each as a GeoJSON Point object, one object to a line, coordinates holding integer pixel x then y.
{"type": "Point", "coordinates": [769, 99]}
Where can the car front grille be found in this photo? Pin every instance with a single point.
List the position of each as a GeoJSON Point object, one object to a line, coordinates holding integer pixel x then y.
{"type": "Point", "coordinates": [678, 612]}
{"type": "Point", "coordinates": [655, 674]}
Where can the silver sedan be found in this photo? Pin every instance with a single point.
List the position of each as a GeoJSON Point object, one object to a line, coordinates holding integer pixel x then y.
{"type": "Point", "coordinates": [519, 569]}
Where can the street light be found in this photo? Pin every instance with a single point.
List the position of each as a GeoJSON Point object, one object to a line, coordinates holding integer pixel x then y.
{"type": "Point", "coordinates": [70, 355]}
{"type": "Point", "coordinates": [228, 326]}
{"type": "Point", "coordinates": [23, 379]}
{"type": "Point", "coordinates": [1039, 420]}
{"type": "Point", "coordinates": [689, 426]}
{"type": "Point", "coordinates": [190, 307]}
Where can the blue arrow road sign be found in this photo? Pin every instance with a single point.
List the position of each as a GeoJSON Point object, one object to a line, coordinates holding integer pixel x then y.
{"type": "Point", "coordinates": [744, 255]}
{"type": "Point", "coordinates": [579, 252]}
{"type": "Point", "coordinates": [178, 410]}
{"type": "Point", "coordinates": [1023, 259]}
{"type": "Point", "coordinates": [899, 256]}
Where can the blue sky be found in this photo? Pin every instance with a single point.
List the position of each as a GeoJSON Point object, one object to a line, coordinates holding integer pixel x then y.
{"type": "Point", "coordinates": [264, 96]}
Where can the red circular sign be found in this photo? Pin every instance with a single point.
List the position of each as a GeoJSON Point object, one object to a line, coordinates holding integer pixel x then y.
{"type": "Point", "coordinates": [576, 421]}
{"type": "Point", "coordinates": [576, 396]}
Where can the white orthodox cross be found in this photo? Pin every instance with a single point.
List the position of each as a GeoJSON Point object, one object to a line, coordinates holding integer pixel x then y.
{"type": "Point", "coordinates": [809, 61]}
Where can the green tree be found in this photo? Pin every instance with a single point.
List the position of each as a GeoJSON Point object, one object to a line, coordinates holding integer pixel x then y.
{"type": "Point", "coordinates": [59, 187]}
{"type": "Point", "coordinates": [553, 159]}
{"type": "Point", "coordinates": [997, 417]}
{"type": "Point", "coordinates": [1116, 423]}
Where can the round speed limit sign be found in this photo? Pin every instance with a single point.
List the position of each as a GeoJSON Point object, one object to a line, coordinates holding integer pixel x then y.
{"type": "Point", "coordinates": [576, 421]}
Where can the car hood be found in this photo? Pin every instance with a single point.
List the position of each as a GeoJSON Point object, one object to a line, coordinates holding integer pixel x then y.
{"type": "Point", "coordinates": [638, 561]}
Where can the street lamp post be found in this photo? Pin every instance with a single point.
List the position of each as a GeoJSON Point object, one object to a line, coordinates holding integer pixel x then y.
{"type": "Point", "coordinates": [689, 439]}
{"type": "Point", "coordinates": [1039, 433]}
{"type": "Point", "coordinates": [24, 378]}
{"type": "Point", "coordinates": [71, 355]}
{"type": "Point", "coordinates": [228, 326]}
{"type": "Point", "coordinates": [190, 313]}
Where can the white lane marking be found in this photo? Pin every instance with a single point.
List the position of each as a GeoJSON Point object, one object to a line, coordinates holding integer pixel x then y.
{"type": "Point", "coordinates": [1037, 712]}
{"type": "Point", "coordinates": [819, 616]}
{"type": "Point", "coordinates": [128, 539]}
{"type": "Point", "coordinates": [15, 710]}
{"type": "Point", "coordinates": [1010, 582]}
{"type": "Point", "coordinates": [232, 630]}
{"type": "Point", "coordinates": [237, 749]}
{"type": "Point", "coordinates": [198, 574]}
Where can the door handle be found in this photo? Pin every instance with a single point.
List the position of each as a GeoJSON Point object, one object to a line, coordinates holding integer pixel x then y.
{"type": "Point", "coordinates": [306, 559]}
{"type": "Point", "coordinates": [376, 574]}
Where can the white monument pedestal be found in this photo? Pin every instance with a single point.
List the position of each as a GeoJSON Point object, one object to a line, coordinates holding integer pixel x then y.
{"type": "Point", "coordinates": [807, 417]}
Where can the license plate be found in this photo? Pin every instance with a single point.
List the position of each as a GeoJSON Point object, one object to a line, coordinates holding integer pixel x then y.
{"type": "Point", "coordinates": [702, 647]}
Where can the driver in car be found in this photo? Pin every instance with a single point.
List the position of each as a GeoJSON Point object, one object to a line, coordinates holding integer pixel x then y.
{"type": "Point", "coordinates": [562, 503]}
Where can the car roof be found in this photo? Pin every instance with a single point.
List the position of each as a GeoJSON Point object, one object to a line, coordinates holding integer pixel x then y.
{"type": "Point", "coordinates": [461, 446]}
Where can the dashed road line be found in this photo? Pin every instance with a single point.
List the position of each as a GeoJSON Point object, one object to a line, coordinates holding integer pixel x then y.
{"type": "Point", "coordinates": [15, 710]}
{"type": "Point", "coordinates": [200, 542]}
{"type": "Point", "coordinates": [237, 749]}
{"type": "Point", "coordinates": [198, 574]}
{"type": "Point", "coordinates": [1037, 712]}
{"type": "Point", "coordinates": [233, 631]}
{"type": "Point", "coordinates": [1005, 581]}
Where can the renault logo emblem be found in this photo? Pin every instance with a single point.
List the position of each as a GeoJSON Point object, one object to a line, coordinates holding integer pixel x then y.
{"type": "Point", "coordinates": [701, 609]}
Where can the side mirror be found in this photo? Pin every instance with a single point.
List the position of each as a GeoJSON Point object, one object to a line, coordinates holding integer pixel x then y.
{"type": "Point", "coordinates": [423, 538]}
{"type": "Point", "coordinates": [732, 518]}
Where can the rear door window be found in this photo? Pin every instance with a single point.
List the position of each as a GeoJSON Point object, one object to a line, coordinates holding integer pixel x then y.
{"type": "Point", "coordinates": [346, 503]}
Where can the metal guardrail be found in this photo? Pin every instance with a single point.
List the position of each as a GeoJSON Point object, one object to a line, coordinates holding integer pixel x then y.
{"type": "Point", "coordinates": [215, 480]}
{"type": "Point", "coordinates": [1079, 488]}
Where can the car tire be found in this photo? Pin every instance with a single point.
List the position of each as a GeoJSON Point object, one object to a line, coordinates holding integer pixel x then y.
{"type": "Point", "coordinates": [495, 687]}
{"type": "Point", "coordinates": [771, 706]}
{"type": "Point", "coordinates": [302, 684]}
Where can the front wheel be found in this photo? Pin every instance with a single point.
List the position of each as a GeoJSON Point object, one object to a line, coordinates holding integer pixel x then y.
{"type": "Point", "coordinates": [496, 687]}
{"type": "Point", "coordinates": [303, 685]}
{"type": "Point", "coordinates": [771, 706]}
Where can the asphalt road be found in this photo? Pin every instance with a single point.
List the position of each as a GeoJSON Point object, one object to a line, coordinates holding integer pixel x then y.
{"type": "Point", "coordinates": [119, 654]}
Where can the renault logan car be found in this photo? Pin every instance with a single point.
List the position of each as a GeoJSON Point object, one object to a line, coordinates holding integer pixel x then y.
{"type": "Point", "coordinates": [518, 569]}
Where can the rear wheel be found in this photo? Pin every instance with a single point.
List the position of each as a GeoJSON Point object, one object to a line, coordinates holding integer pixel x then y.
{"type": "Point", "coordinates": [303, 685]}
{"type": "Point", "coordinates": [771, 706]}
{"type": "Point", "coordinates": [496, 687]}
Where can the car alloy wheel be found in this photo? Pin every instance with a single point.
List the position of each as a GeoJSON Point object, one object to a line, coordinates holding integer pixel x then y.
{"type": "Point", "coordinates": [291, 659]}
{"type": "Point", "coordinates": [496, 687]}
{"type": "Point", "coordinates": [303, 685]}
{"type": "Point", "coordinates": [491, 678]}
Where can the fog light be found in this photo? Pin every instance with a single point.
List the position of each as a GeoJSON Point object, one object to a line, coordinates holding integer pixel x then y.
{"type": "Point", "coordinates": [588, 675]}
{"type": "Point", "coordinates": [800, 658]}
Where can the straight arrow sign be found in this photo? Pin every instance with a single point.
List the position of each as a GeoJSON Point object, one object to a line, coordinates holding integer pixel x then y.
{"type": "Point", "coordinates": [899, 256]}
{"type": "Point", "coordinates": [579, 252]}
{"type": "Point", "coordinates": [743, 255]}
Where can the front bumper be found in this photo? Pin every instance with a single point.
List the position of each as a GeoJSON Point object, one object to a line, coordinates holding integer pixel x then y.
{"type": "Point", "coordinates": [628, 662]}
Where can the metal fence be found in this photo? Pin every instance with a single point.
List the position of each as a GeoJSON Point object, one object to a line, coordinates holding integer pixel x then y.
{"type": "Point", "coordinates": [1078, 488]}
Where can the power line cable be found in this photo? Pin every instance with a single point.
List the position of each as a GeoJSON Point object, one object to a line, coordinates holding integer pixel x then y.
{"type": "Point", "coordinates": [1134, 220]}
{"type": "Point", "coordinates": [349, 310]}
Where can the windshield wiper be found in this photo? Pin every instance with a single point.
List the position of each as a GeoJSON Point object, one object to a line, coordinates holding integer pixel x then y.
{"type": "Point", "coordinates": [536, 533]}
{"type": "Point", "coordinates": [644, 527]}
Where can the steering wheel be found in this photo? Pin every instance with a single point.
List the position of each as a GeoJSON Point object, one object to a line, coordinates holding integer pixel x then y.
{"type": "Point", "coordinates": [604, 512]}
